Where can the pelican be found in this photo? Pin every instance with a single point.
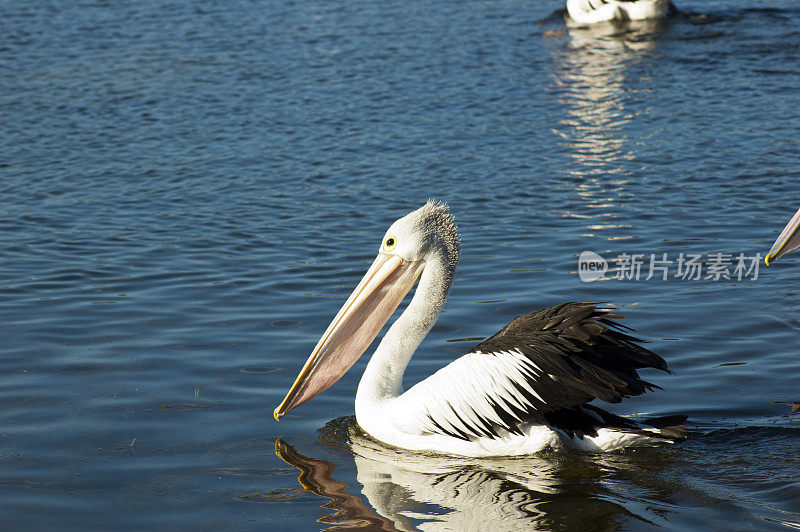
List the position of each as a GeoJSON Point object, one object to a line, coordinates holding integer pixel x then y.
{"type": "Point", "coordinates": [592, 11]}
{"type": "Point", "coordinates": [788, 240]}
{"type": "Point", "coordinates": [525, 389]}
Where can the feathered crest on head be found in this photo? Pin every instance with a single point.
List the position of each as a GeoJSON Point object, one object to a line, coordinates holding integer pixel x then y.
{"type": "Point", "coordinates": [436, 214]}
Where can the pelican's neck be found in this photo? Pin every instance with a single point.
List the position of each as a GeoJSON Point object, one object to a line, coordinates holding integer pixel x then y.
{"type": "Point", "coordinates": [383, 377]}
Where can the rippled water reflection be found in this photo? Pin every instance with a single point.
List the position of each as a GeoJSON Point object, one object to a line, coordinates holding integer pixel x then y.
{"type": "Point", "coordinates": [663, 487]}
{"type": "Point", "coordinates": [190, 189]}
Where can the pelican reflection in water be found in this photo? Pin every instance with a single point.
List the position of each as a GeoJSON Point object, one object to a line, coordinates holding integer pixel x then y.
{"type": "Point", "coordinates": [525, 389]}
{"type": "Point", "coordinates": [423, 491]}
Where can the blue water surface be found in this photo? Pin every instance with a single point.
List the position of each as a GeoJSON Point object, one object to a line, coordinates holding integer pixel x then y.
{"type": "Point", "coordinates": [189, 190]}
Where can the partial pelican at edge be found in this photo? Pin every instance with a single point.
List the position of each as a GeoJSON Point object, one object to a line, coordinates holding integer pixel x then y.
{"type": "Point", "coordinates": [593, 11]}
{"type": "Point", "coordinates": [788, 240]}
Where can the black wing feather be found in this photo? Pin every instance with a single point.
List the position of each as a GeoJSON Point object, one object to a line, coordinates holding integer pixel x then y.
{"type": "Point", "coordinates": [584, 351]}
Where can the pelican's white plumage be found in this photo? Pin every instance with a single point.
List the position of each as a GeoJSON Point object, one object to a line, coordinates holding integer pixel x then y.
{"type": "Point", "coordinates": [524, 389]}
{"type": "Point", "coordinates": [593, 11]}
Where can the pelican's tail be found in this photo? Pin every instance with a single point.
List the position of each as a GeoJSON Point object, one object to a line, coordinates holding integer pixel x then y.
{"type": "Point", "coordinates": [609, 431]}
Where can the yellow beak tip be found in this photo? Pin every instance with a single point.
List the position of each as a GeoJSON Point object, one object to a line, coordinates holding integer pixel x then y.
{"type": "Point", "coordinates": [276, 415]}
{"type": "Point", "coordinates": [766, 260]}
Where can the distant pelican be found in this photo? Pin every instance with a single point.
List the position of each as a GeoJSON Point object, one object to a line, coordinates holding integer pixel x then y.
{"type": "Point", "coordinates": [526, 388]}
{"type": "Point", "coordinates": [592, 11]}
{"type": "Point", "coordinates": [788, 240]}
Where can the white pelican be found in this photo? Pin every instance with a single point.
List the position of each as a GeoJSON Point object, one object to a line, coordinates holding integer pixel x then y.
{"type": "Point", "coordinates": [522, 390]}
{"type": "Point", "coordinates": [788, 240]}
{"type": "Point", "coordinates": [592, 11]}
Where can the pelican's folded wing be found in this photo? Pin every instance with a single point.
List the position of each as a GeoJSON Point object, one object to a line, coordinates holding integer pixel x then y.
{"type": "Point", "coordinates": [539, 364]}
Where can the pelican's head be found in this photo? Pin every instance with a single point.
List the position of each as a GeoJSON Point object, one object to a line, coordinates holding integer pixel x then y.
{"type": "Point", "coordinates": [426, 235]}
{"type": "Point", "coordinates": [788, 240]}
{"type": "Point", "coordinates": [422, 234]}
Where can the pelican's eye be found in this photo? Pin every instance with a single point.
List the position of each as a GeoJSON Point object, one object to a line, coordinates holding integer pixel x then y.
{"type": "Point", "coordinates": [390, 243]}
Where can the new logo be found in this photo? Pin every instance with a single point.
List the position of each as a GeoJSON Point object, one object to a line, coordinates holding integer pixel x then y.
{"type": "Point", "coordinates": [591, 266]}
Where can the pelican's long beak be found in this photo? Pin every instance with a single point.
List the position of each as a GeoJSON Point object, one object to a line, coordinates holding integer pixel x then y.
{"type": "Point", "coordinates": [358, 322]}
{"type": "Point", "coordinates": [787, 241]}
